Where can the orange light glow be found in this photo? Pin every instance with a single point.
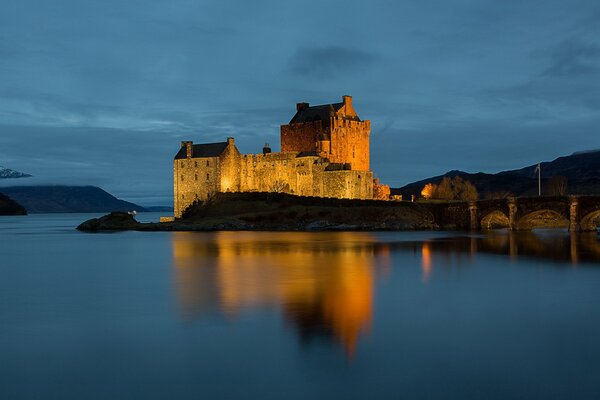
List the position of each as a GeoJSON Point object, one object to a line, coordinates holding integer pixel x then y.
{"type": "Point", "coordinates": [316, 283]}
{"type": "Point", "coordinates": [426, 265]}
{"type": "Point", "coordinates": [428, 190]}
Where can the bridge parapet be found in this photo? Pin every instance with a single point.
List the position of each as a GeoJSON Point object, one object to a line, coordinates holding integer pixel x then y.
{"type": "Point", "coordinates": [578, 213]}
{"type": "Point", "coordinates": [588, 212]}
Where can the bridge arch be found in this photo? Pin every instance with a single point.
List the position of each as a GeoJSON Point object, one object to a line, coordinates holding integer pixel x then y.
{"type": "Point", "coordinates": [544, 218]}
{"type": "Point", "coordinates": [495, 220]}
{"type": "Point", "coordinates": [590, 221]}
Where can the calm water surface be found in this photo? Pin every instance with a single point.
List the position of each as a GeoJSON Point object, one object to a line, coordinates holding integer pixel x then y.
{"type": "Point", "coordinates": [295, 315]}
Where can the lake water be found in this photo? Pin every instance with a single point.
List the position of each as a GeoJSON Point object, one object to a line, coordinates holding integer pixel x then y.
{"type": "Point", "coordinates": [259, 315]}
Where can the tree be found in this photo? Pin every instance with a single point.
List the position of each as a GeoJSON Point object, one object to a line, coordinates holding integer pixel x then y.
{"type": "Point", "coordinates": [557, 186]}
{"type": "Point", "coordinates": [498, 195]}
{"type": "Point", "coordinates": [280, 186]}
{"type": "Point", "coordinates": [455, 189]}
{"type": "Point", "coordinates": [428, 190]}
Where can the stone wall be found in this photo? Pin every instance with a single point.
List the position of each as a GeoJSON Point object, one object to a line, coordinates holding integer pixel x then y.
{"type": "Point", "coordinates": [229, 168]}
{"type": "Point", "coordinates": [194, 179]}
{"type": "Point", "coordinates": [348, 184]}
{"type": "Point", "coordinates": [198, 178]}
{"type": "Point", "coordinates": [350, 143]}
{"type": "Point", "coordinates": [301, 137]}
{"type": "Point", "coordinates": [349, 140]}
{"type": "Point", "coordinates": [302, 176]}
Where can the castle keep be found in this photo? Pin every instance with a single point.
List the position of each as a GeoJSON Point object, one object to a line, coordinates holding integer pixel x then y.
{"type": "Point", "coordinates": [324, 153]}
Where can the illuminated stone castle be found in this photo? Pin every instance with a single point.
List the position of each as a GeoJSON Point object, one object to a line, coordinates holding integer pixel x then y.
{"type": "Point", "coordinates": [324, 153]}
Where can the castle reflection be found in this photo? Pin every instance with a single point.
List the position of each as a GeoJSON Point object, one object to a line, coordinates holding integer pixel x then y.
{"type": "Point", "coordinates": [550, 245]}
{"type": "Point", "coordinates": [322, 282]}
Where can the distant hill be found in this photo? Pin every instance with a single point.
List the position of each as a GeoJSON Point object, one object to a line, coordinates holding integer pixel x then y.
{"type": "Point", "coordinates": [581, 170]}
{"type": "Point", "coordinates": [159, 208]}
{"type": "Point", "coordinates": [10, 207]}
{"type": "Point", "coordinates": [6, 173]}
{"type": "Point", "coordinates": [67, 199]}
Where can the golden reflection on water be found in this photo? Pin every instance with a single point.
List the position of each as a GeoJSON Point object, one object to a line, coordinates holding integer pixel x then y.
{"type": "Point", "coordinates": [322, 282]}
{"type": "Point", "coordinates": [426, 262]}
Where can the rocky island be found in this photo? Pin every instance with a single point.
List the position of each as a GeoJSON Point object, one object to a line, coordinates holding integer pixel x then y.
{"type": "Point", "coordinates": [278, 212]}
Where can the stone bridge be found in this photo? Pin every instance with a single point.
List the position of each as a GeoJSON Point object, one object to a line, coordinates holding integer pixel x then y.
{"type": "Point", "coordinates": [578, 213]}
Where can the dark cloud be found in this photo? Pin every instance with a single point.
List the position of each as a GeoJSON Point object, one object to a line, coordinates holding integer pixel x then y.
{"type": "Point", "coordinates": [327, 62]}
{"type": "Point", "coordinates": [568, 83]}
{"type": "Point", "coordinates": [573, 58]}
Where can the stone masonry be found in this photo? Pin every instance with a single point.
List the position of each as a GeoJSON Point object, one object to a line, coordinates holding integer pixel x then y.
{"type": "Point", "coordinates": [324, 153]}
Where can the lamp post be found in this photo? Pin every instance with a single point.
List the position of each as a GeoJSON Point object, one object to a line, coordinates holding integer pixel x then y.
{"type": "Point", "coordinates": [538, 169]}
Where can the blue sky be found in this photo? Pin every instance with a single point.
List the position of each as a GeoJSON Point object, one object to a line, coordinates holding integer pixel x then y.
{"type": "Point", "coordinates": [101, 92]}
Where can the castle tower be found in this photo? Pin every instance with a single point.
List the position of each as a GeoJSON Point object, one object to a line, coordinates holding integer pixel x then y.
{"type": "Point", "coordinates": [333, 131]}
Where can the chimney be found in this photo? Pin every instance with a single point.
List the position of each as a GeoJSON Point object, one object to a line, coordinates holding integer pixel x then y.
{"type": "Point", "coordinates": [230, 141]}
{"type": "Point", "coordinates": [188, 148]}
{"type": "Point", "coordinates": [347, 100]}
{"type": "Point", "coordinates": [301, 106]}
{"type": "Point", "coordinates": [266, 149]}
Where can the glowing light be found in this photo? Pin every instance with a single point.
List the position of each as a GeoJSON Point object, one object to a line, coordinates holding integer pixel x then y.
{"type": "Point", "coordinates": [316, 284]}
{"type": "Point", "coordinates": [428, 190]}
{"type": "Point", "coordinates": [426, 264]}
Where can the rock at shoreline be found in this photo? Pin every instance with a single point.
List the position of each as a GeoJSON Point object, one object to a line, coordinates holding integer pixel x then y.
{"type": "Point", "coordinates": [115, 221]}
{"type": "Point", "coordinates": [280, 212]}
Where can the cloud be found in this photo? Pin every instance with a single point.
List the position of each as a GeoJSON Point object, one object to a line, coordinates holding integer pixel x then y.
{"type": "Point", "coordinates": [326, 62]}
{"type": "Point", "coordinates": [102, 92]}
{"type": "Point", "coordinates": [573, 58]}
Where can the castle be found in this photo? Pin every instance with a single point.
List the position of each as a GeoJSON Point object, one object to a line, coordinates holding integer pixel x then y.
{"type": "Point", "coordinates": [324, 153]}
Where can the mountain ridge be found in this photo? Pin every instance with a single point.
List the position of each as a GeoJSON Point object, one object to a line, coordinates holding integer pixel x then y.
{"type": "Point", "coordinates": [581, 170]}
{"type": "Point", "coordinates": [67, 199]}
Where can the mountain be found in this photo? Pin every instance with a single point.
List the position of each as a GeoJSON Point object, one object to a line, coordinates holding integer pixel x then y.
{"type": "Point", "coordinates": [67, 199]}
{"type": "Point", "coordinates": [159, 208]}
{"type": "Point", "coordinates": [6, 173]}
{"type": "Point", "coordinates": [581, 171]}
{"type": "Point", "coordinates": [10, 207]}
